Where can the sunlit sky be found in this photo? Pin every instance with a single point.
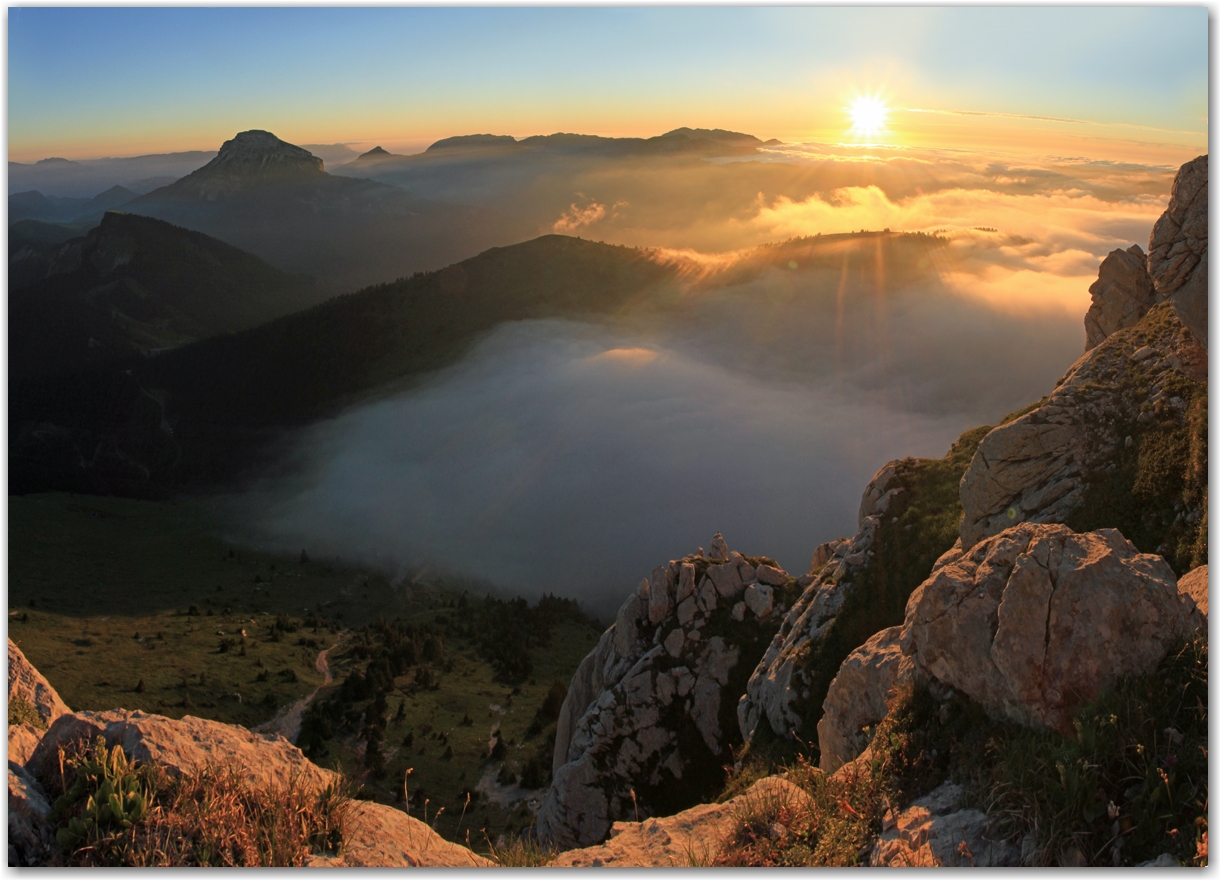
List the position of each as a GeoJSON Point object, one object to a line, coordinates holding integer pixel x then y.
{"type": "Point", "coordinates": [1119, 83]}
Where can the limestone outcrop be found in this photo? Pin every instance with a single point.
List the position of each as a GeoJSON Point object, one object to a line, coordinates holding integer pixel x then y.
{"type": "Point", "coordinates": [647, 724]}
{"type": "Point", "coordinates": [777, 686]}
{"type": "Point", "coordinates": [178, 746]}
{"type": "Point", "coordinates": [856, 700]}
{"type": "Point", "coordinates": [27, 689]}
{"type": "Point", "coordinates": [1177, 249]}
{"type": "Point", "coordinates": [691, 838]}
{"type": "Point", "coordinates": [1037, 620]}
{"type": "Point", "coordinates": [934, 831]}
{"type": "Point", "coordinates": [1122, 294]}
{"type": "Point", "coordinates": [1037, 467]}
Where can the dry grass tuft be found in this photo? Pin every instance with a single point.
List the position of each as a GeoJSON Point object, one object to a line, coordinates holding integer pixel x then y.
{"type": "Point", "coordinates": [521, 853]}
{"type": "Point", "coordinates": [210, 816]}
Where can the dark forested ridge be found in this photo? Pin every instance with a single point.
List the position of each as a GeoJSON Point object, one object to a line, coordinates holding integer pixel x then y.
{"type": "Point", "coordinates": [132, 284]}
{"type": "Point", "coordinates": [201, 412]}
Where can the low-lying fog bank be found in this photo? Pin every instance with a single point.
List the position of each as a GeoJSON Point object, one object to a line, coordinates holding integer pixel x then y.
{"type": "Point", "coordinates": [572, 458]}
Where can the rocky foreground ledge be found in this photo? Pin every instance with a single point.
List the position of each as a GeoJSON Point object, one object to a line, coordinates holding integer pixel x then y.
{"type": "Point", "coordinates": [374, 835]}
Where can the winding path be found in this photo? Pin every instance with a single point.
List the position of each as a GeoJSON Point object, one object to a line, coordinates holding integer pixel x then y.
{"type": "Point", "coordinates": [288, 723]}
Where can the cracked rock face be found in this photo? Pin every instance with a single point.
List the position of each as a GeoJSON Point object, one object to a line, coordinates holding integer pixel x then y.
{"type": "Point", "coordinates": [777, 684]}
{"type": "Point", "coordinates": [1037, 620]}
{"type": "Point", "coordinates": [1035, 468]}
{"type": "Point", "coordinates": [1122, 294]}
{"type": "Point", "coordinates": [1177, 249]}
{"type": "Point", "coordinates": [643, 711]}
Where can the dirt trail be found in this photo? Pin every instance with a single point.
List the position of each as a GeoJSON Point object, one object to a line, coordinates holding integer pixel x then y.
{"type": "Point", "coordinates": [288, 723]}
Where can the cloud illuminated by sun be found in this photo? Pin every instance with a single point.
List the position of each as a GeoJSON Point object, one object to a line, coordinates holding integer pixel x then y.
{"type": "Point", "coordinates": [868, 116]}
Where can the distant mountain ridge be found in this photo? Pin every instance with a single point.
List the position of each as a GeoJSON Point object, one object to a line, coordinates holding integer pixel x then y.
{"type": "Point", "coordinates": [714, 142]}
{"type": "Point", "coordinates": [226, 398]}
{"type": "Point", "coordinates": [277, 201]}
{"type": "Point", "coordinates": [33, 205]}
{"type": "Point", "coordinates": [85, 178]}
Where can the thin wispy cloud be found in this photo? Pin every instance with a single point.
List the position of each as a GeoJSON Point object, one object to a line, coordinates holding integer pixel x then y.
{"type": "Point", "coordinates": [996, 115]}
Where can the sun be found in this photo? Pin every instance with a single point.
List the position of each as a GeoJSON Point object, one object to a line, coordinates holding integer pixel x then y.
{"type": "Point", "coordinates": [868, 115]}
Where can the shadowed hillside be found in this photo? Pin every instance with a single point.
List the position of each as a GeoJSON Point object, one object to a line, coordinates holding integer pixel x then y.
{"type": "Point", "coordinates": [200, 412]}
{"type": "Point", "coordinates": [132, 284]}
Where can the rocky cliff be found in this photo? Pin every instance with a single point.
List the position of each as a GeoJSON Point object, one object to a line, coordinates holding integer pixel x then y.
{"type": "Point", "coordinates": [648, 722]}
{"type": "Point", "coordinates": [1177, 249]}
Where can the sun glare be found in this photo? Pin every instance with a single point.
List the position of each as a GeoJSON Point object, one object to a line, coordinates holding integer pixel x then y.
{"type": "Point", "coordinates": [868, 115]}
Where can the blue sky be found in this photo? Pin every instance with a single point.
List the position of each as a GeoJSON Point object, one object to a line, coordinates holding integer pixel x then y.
{"type": "Point", "coordinates": [93, 81]}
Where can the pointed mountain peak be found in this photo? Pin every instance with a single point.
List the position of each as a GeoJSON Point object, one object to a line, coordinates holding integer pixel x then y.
{"type": "Point", "coordinates": [375, 153]}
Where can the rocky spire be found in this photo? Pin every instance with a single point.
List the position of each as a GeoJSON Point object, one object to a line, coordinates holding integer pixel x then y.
{"type": "Point", "coordinates": [1177, 249]}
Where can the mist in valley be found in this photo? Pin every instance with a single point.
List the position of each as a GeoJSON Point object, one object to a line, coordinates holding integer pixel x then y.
{"type": "Point", "coordinates": [572, 457]}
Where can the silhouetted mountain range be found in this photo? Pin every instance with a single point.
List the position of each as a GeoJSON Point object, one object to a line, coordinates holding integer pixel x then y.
{"type": "Point", "coordinates": [276, 200]}
{"type": "Point", "coordinates": [86, 178]}
{"type": "Point", "coordinates": [33, 205]}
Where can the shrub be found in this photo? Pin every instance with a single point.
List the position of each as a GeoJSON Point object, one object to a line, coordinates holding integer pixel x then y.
{"type": "Point", "coordinates": [20, 711]}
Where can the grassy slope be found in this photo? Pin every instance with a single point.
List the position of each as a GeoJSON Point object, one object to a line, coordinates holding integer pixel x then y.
{"type": "Point", "coordinates": [1127, 786]}
{"type": "Point", "coordinates": [468, 689]}
{"type": "Point", "coordinates": [86, 574]}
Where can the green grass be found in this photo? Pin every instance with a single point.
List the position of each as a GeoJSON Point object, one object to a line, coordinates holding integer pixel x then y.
{"type": "Point", "coordinates": [101, 592]}
{"type": "Point", "coordinates": [21, 712]}
{"type": "Point", "coordinates": [447, 756]}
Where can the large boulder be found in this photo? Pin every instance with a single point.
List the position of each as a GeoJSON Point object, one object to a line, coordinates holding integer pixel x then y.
{"type": "Point", "coordinates": [28, 689]}
{"type": "Point", "coordinates": [857, 698]}
{"type": "Point", "coordinates": [1177, 249]}
{"type": "Point", "coordinates": [1122, 294]}
{"type": "Point", "coordinates": [1038, 620]}
{"type": "Point", "coordinates": [934, 831]}
{"type": "Point", "coordinates": [642, 729]}
{"type": "Point", "coordinates": [1038, 467]}
{"type": "Point", "coordinates": [178, 746]}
